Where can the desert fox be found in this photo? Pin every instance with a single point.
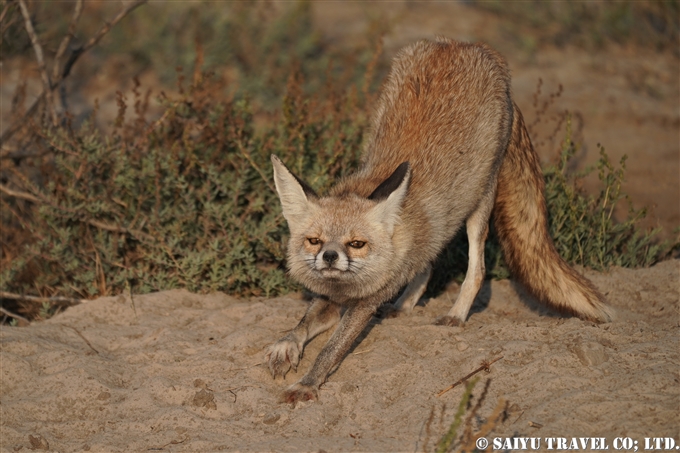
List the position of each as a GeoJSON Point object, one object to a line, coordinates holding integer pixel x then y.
{"type": "Point", "coordinates": [447, 146]}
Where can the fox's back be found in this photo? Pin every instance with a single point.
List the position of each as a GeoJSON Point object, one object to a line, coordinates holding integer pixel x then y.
{"type": "Point", "coordinates": [446, 109]}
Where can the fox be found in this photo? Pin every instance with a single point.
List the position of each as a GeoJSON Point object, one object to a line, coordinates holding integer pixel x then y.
{"type": "Point", "coordinates": [447, 147]}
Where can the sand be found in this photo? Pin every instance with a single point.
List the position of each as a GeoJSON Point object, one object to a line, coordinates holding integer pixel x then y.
{"type": "Point", "coordinates": [175, 371]}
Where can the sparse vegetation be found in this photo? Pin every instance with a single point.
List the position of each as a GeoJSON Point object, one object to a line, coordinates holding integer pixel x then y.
{"type": "Point", "coordinates": [585, 230]}
{"type": "Point", "coordinates": [467, 425]}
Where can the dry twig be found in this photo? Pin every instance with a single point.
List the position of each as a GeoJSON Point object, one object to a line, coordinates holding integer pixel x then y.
{"type": "Point", "coordinates": [40, 300]}
{"type": "Point", "coordinates": [37, 48]}
{"type": "Point", "coordinates": [75, 54]}
{"type": "Point", "coordinates": [17, 194]}
{"type": "Point", "coordinates": [3, 14]}
{"type": "Point", "coordinates": [20, 319]}
{"type": "Point", "coordinates": [66, 40]}
{"type": "Point", "coordinates": [484, 366]}
{"type": "Point", "coordinates": [173, 442]}
{"type": "Point", "coordinates": [83, 337]}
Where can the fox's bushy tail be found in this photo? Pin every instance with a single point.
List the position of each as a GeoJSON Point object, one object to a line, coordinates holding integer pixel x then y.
{"type": "Point", "coordinates": [520, 218]}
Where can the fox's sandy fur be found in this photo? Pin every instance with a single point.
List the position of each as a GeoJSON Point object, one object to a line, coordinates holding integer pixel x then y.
{"type": "Point", "coordinates": [448, 145]}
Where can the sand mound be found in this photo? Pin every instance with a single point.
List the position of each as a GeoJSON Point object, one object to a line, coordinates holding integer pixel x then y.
{"type": "Point", "coordinates": [177, 371]}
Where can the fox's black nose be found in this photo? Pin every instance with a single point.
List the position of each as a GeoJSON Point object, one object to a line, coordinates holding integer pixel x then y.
{"type": "Point", "coordinates": [330, 256]}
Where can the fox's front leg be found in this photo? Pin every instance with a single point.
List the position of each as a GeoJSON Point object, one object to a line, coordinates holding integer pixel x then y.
{"type": "Point", "coordinates": [285, 353]}
{"type": "Point", "coordinates": [353, 322]}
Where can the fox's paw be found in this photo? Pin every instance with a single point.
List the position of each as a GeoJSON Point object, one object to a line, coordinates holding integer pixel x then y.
{"type": "Point", "coordinates": [299, 392]}
{"type": "Point", "coordinates": [282, 356]}
{"type": "Point", "coordinates": [448, 321]}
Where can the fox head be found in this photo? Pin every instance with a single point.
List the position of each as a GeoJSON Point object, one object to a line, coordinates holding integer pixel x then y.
{"type": "Point", "coordinates": [341, 244]}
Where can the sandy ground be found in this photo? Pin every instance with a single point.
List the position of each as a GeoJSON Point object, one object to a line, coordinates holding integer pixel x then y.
{"type": "Point", "coordinates": [177, 371]}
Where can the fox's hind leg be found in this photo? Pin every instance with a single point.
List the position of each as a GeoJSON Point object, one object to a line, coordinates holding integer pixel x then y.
{"type": "Point", "coordinates": [285, 353]}
{"type": "Point", "coordinates": [414, 291]}
{"type": "Point", "coordinates": [477, 230]}
{"type": "Point", "coordinates": [410, 297]}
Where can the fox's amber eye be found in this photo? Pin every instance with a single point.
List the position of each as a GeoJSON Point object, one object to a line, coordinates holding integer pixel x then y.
{"type": "Point", "coordinates": [356, 244]}
{"type": "Point", "coordinates": [314, 241]}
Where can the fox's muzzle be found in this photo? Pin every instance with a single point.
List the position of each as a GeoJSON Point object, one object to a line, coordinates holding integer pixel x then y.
{"type": "Point", "coordinates": [330, 256]}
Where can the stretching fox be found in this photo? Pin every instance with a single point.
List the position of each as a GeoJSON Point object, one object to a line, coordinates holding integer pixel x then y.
{"type": "Point", "coordinates": [447, 145]}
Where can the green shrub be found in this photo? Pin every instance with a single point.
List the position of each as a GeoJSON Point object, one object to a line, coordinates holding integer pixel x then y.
{"type": "Point", "coordinates": [185, 201]}
{"type": "Point", "coordinates": [584, 228]}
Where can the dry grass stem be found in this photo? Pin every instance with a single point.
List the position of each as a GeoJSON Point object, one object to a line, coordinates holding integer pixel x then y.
{"type": "Point", "coordinates": [483, 367]}
{"type": "Point", "coordinates": [83, 337]}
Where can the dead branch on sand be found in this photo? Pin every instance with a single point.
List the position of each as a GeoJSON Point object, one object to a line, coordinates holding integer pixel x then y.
{"type": "Point", "coordinates": [484, 366]}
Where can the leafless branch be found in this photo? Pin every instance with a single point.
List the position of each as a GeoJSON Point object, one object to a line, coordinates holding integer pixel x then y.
{"type": "Point", "coordinates": [37, 48]}
{"type": "Point", "coordinates": [76, 53]}
{"type": "Point", "coordinates": [5, 25]}
{"type": "Point", "coordinates": [16, 194]}
{"type": "Point", "coordinates": [56, 74]}
{"type": "Point", "coordinates": [19, 123]}
{"type": "Point", "coordinates": [20, 319]}
{"type": "Point", "coordinates": [4, 11]}
{"type": "Point", "coordinates": [73, 57]}
{"type": "Point", "coordinates": [40, 300]}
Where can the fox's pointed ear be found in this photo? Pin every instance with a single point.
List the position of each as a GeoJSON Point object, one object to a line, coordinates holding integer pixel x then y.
{"type": "Point", "coordinates": [296, 196]}
{"type": "Point", "coordinates": [389, 185]}
{"type": "Point", "coordinates": [390, 195]}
